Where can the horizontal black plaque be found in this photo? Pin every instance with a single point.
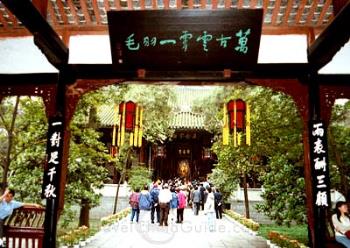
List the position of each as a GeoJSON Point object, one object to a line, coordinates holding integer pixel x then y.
{"type": "Point", "coordinates": [185, 39]}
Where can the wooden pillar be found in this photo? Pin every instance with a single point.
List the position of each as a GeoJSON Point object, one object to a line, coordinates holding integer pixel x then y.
{"type": "Point", "coordinates": [308, 184]}
{"type": "Point", "coordinates": [308, 101]}
{"type": "Point", "coordinates": [52, 200]}
{"type": "Point", "coordinates": [319, 207]}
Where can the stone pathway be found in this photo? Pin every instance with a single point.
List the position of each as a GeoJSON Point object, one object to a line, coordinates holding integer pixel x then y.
{"type": "Point", "coordinates": [193, 233]}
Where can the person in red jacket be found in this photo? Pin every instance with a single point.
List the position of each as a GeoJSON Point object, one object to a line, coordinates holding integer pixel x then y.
{"type": "Point", "coordinates": [182, 204]}
{"type": "Point", "coordinates": [134, 203]}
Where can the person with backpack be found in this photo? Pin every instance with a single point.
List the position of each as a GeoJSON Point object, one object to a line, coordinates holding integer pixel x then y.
{"type": "Point", "coordinates": [155, 202]}
{"type": "Point", "coordinates": [134, 203]}
{"type": "Point", "coordinates": [174, 203]}
{"type": "Point", "coordinates": [145, 203]}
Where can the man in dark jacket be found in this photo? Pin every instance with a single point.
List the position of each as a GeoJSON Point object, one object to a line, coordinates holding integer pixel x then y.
{"type": "Point", "coordinates": [218, 203]}
{"type": "Point", "coordinates": [155, 202]}
{"type": "Point", "coordinates": [196, 198]}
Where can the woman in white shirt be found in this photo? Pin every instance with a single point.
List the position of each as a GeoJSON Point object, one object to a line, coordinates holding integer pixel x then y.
{"type": "Point", "coordinates": [209, 209]}
{"type": "Point", "coordinates": [341, 223]}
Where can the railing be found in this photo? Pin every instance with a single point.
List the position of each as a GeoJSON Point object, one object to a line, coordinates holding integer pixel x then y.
{"type": "Point", "coordinates": [25, 228]}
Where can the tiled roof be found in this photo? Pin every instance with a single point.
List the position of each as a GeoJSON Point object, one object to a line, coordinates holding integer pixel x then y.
{"type": "Point", "coordinates": [187, 96]}
{"type": "Point", "coordinates": [187, 120]}
{"type": "Point", "coordinates": [105, 115]}
{"type": "Point", "coordinates": [94, 12]}
{"type": "Point", "coordinates": [180, 120]}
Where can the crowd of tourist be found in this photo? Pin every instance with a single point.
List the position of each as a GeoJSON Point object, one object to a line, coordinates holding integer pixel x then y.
{"type": "Point", "coordinates": [164, 201]}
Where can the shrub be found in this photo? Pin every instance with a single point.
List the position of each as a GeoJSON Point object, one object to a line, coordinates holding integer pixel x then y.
{"type": "Point", "coordinates": [284, 241]}
{"type": "Point", "coordinates": [108, 220]}
{"type": "Point", "coordinates": [251, 224]}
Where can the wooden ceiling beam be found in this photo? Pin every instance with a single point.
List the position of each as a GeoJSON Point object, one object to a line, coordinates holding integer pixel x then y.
{"type": "Point", "coordinates": [323, 12]}
{"type": "Point", "coordinates": [96, 12]}
{"type": "Point", "coordinates": [28, 79]}
{"type": "Point", "coordinates": [333, 79]}
{"type": "Point", "coordinates": [73, 11]}
{"type": "Point", "coordinates": [117, 4]}
{"type": "Point", "coordinates": [4, 22]}
{"type": "Point", "coordinates": [103, 30]}
{"type": "Point", "coordinates": [106, 5]}
{"type": "Point", "coordinates": [300, 11]}
{"type": "Point", "coordinates": [287, 13]}
{"type": "Point", "coordinates": [227, 4]}
{"type": "Point", "coordinates": [45, 37]}
{"type": "Point", "coordinates": [275, 12]}
{"type": "Point", "coordinates": [41, 5]}
{"type": "Point", "coordinates": [311, 13]}
{"type": "Point", "coordinates": [62, 11]}
{"type": "Point", "coordinates": [253, 4]}
{"type": "Point", "coordinates": [265, 7]}
{"type": "Point", "coordinates": [85, 11]}
{"type": "Point", "coordinates": [330, 41]}
{"type": "Point", "coordinates": [107, 71]}
{"type": "Point", "coordinates": [338, 5]}
{"type": "Point", "coordinates": [214, 4]}
{"type": "Point", "coordinates": [142, 4]}
{"type": "Point", "coordinates": [52, 13]}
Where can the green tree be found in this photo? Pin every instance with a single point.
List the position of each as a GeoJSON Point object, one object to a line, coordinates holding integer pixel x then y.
{"type": "Point", "coordinates": [88, 156]}
{"type": "Point", "coordinates": [23, 117]}
{"type": "Point", "coordinates": [157, 110]}
{"type": "Point", "coordinates": [276, 149]}
{"type": "Point", "coordinates": [339, 148]}
{"type": "Point", "coordinates": [139, 176]}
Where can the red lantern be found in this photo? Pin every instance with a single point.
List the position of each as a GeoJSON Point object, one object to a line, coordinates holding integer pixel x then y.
{"type": "Point", "coordinates": [239, 121]}
{"type": "Point", "coordinates": [230, 109]}
{"type": "Point", "coordinates": [130, 109]}
{"type": "Point", "coordinates": [241, 109]}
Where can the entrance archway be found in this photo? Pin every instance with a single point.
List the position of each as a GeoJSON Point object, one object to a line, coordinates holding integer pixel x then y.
{"type": "Point", "coordinates": [314, 94]}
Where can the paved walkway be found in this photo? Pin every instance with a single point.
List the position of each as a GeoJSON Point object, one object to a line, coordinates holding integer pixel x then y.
{"type": "Point", "coordinates": [193, 233]}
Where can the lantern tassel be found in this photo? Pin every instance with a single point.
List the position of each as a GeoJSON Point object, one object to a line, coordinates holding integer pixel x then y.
{"type": "Point", "coordinates": [119, 129]}
{"type": "Point", "coordinates": [225, 129]}
{"type": "Point", "coordinates": [114, 125]}
{"type": "Point", "coordinates": [136, 131]}
{"type": "Point", "coordinates": [139, 143]}
{"type": "Point", "coordinates": [131, 139]}
{"type": "Point", "coordinates": [248, 128]}
{"type": "Point", "coordinates": [122, 135]}
{"type": "Point", "coordinates": [234, 125]}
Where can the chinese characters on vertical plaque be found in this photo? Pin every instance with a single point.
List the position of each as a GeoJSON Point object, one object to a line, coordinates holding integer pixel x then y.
{"type": "Point", "coordinates": [54, 158]}
{"type": "Point", "coordinates": [319, 163]}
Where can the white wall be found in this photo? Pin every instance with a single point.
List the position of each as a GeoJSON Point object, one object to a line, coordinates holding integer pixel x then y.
{"type": "Point", "coordinates": [20, 55]}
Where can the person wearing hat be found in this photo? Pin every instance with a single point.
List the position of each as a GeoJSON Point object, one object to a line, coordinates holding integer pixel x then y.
{"type": "Point", "coordinates": [164, 201]}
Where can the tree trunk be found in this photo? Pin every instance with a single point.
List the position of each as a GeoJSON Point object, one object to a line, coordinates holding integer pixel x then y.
{"type": "Point", "coordinates": [344, 182]}
{"type": "Point", "coordinates": [10, 132]}
{"type": "Point", "coordinates": [117, 195]}
{"type": "Point", "coordinates": [84, 218]}
{"type": "Point", "coordinates": [246, 200]}
{"type": "Point", "coordinates": [121, 179]}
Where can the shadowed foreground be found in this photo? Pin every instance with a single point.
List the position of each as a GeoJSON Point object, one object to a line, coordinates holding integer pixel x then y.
{"type": "Point", "coordinates": [194, 232]}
